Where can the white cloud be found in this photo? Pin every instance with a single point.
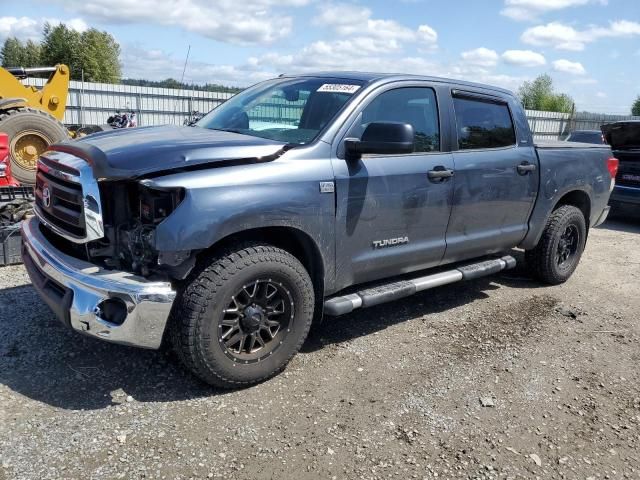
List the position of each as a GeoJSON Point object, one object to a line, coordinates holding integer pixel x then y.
{"type": "Point", "coordinates": [159, 65]}
{"type": "Point", "coordinates": [565, 37]}
{"type": "Point", "coordinates": [530, 9]}
{"type": "Point", "coordinates": [357, 41]}
{"type": "Point", "coordinates": [620, 28]}
{"type": "Point", "coordinates": [481, 57]}
{"type": "Point", "coordinates": [567, 66]}
{"type": "Point", "coordinates": [427, 36]}
{"type": "Point", "coordinates": [601, 95]}
{"type": "Point", "coordinates": [554, 34]}
{"type": "Point", "coordinates": [523, 58]}
{"type": "Point", "coordinates": [353, 21]}
{"type": "Point", "coordinates": [77, 24]}
{"type": "Point", "coordinates": [336, 55]}
{"type": "Point", "coordinates": [26, 28]}
{"type": "Point", "coordinates": [342, 16]}
{"type": "Point", "coordinates": [229, 21]}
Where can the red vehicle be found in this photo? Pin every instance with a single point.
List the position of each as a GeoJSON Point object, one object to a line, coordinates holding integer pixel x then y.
{"type": "Point", "coordinates": [16, 202]}
{"type": "Point", "coordinates": [6, 180]}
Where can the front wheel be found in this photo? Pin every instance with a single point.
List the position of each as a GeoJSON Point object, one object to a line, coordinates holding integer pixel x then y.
{"type": "Point", "coordinates": [558, 252]}
{"type": "Point", "coordinates": [243, 315]}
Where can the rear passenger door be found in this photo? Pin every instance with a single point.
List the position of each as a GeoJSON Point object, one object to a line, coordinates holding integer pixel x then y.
{"type": "Point", "coordinates": [496, 178]}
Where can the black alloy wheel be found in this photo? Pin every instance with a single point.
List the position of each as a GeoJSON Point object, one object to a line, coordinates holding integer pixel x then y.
{"type": "Point", "coordinates": [256, 320]}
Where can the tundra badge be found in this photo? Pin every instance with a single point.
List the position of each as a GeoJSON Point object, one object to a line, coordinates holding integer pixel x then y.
{"type": "Point", "coordinates": [390, 242]}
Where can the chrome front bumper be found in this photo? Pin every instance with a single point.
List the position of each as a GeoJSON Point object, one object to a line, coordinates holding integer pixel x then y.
{"type": "Point", "coordinates": [75, 290]}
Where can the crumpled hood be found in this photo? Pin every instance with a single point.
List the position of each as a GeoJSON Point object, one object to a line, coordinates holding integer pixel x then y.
{"type": "Point", "coordinates": [622, 135]}
{"type": "Point", "coordinates": [137, 152]}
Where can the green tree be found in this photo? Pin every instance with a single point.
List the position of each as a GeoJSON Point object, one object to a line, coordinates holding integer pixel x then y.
{"type": "Point", "coordinates": [17, 54]}
{"type": "Point", "coordinates": [172, 83]}
{"type": "Point", "coordinates": [635, 108]}
{"type": "Point", "coordinates": [33, 54]}
{"type": "Point", "coordinates": [540, 95]}
{"type": "Point", "coordinates": [13, 53]}
{"type": "Point", "coordinates": [94, 53]}
{"type": "Point", "coordinates": [99, 57]}
{"type": "Point", "coordinates": [61, 44]}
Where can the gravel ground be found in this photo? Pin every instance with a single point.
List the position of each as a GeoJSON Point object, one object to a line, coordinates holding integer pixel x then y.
{"type": "Point", "coordinates": [496, 378]}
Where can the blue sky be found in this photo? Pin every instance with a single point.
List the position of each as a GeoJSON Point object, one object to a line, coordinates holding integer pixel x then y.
{"type": "Point", "coordinates": [591, 48]}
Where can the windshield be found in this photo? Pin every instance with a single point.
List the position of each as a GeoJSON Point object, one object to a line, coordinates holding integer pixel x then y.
{"type": "Point", "coordinates": [292, 111]}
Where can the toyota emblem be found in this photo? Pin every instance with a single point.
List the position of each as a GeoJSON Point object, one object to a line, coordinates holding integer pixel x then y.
{"type": "Point", "coordinates": [46, 196]}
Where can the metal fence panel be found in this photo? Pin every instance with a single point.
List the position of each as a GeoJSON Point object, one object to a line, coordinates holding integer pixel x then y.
{"type": "Point", "coordinates": [556, 126]}
{"type": "Point", "coordinates": [92, 103]}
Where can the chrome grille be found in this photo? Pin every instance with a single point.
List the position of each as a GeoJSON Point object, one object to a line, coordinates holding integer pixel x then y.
{"type": "Point", "coordinates": [67, 197]}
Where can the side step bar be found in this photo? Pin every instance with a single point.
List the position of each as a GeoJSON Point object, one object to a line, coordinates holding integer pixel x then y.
{"type": "Point", "coordinates": [404, 288]}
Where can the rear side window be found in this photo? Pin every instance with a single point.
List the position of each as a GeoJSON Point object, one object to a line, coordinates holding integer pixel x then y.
{"type": "Point", "coordinates": [483, 124]}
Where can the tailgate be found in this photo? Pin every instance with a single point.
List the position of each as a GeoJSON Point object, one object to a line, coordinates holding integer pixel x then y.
{"type": "Point", "coordinates": [629, 169]}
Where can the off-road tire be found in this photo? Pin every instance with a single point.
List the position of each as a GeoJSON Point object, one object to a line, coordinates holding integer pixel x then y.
{"type": "Point", "coordinates": [200, 304]}
{"type": "Point", "coordinates": [17, 120]}
{"type": "Point", "coordinates": [542, 260]}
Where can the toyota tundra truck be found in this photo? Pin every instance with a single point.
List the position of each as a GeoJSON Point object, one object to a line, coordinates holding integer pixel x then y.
{"type": "Point", "coordinates": [300, 197]}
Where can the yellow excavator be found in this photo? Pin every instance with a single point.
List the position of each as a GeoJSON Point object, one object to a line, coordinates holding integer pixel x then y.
{"type": "Point", "coordinates": [32, 117]}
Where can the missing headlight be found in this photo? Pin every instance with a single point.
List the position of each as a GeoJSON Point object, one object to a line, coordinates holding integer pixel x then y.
{"type": "Point", "coordinates": [156, 204]}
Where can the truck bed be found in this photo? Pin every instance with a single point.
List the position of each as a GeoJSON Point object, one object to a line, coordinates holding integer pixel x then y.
{"type": "Point", "coordinates": [548, 144]}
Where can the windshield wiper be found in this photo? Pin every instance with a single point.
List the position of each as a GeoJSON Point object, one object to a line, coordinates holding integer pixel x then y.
{"type": "Point", "coordinates": [232, 130]}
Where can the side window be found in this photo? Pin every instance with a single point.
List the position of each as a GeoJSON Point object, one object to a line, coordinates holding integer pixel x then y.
{"type": "Point", "coordinates": [483, 124]}
{"type": "Point", "coordinates": [413, 105]}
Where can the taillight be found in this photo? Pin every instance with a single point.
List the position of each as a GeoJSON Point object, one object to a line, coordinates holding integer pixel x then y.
{"type": "Point", "coordinates": [4, 155]}
{"type": "Point", "coordinates": [612, 165]}
{"type": "Point", "coordinates": [4, 147]}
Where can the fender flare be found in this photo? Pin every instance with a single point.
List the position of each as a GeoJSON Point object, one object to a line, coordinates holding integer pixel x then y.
{"type": "Point", "coordinates": [535, 233]}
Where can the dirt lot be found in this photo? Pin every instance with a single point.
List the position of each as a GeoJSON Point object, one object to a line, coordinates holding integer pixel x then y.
{"type": "Point", "coordinates": [497, 378]}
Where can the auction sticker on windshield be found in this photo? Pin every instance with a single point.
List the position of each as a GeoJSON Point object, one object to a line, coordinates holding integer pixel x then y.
{"type": "Point", "coordinates": [339, 88]}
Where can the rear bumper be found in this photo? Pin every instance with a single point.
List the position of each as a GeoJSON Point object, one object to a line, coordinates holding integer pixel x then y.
{"type": "Point", "coordinates": [625, 195]}
{"type": "Point", "coordinates": [76, 291]}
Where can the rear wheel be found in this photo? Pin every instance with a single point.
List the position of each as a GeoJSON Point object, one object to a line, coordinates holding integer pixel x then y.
{"type": "Point", "coordinates": [243, 316]}
{"type": "Point", "coordinates": [30, 132]}
{"type": "Point", "coordinates": [558, 252]}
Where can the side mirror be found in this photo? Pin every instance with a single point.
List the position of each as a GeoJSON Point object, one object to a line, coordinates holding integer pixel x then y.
{"type": "Point", "coordinates": [382, 138]}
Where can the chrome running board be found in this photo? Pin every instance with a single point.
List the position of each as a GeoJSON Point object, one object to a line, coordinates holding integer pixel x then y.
{"type": "Point", "coordinates": [404, 288]}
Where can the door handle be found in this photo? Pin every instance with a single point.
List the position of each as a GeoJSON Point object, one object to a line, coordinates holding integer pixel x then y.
{"type": "Point", "coordinates": [439, 173]}
{"type": "Point", "coordinates": [525, 167]}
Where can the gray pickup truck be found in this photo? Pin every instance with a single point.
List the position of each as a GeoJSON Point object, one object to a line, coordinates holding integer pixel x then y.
{"type": "Point", "coordinates": [300, 197]}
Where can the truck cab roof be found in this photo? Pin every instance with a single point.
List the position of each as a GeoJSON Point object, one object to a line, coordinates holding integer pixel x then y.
{"type": "Point", "coordinates": [372, 77]}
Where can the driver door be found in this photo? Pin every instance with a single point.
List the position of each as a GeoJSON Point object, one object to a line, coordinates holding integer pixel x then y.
{"type": "Point", "coordinates": [391, 212]}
